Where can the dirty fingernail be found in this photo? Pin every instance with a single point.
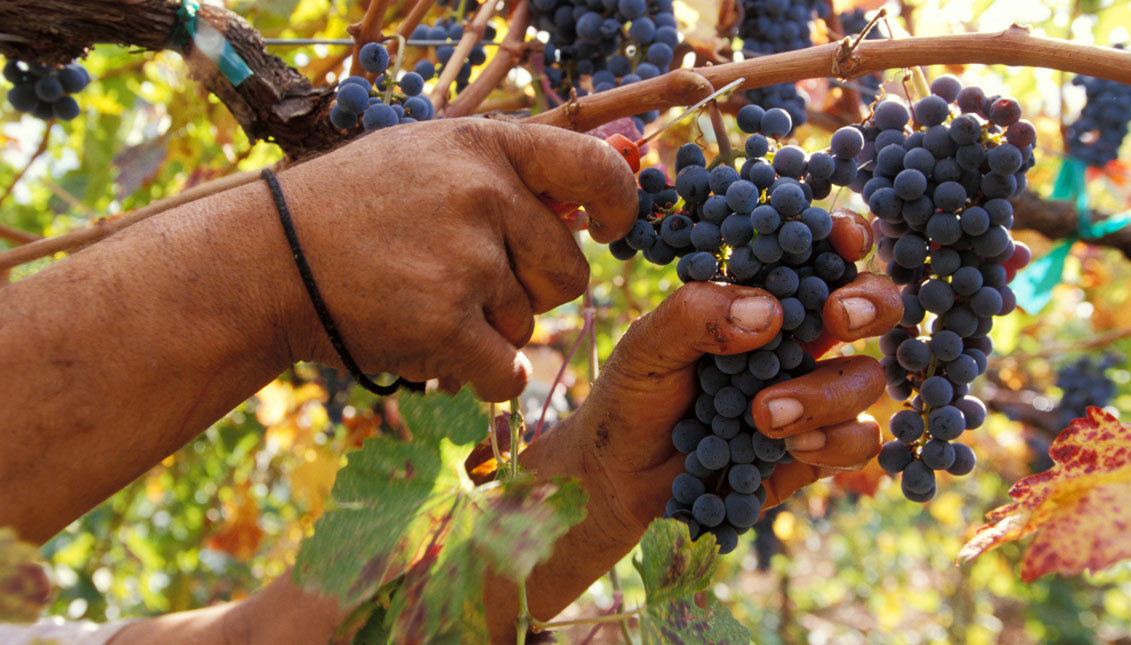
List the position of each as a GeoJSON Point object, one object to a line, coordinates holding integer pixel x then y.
{"type": "Point", "coordinates": [784, 411]}
{"type": "Point", "coordinates": [814, 440]}
{"type": "Point", "coordinates": [859, 311]}
{"type": "Point", "coordinates": [752, 313]}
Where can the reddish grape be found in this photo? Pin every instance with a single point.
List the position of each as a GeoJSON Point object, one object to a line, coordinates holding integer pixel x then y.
{"type": "Point", "coordinates": [1021, 133]}
{"type": "Point", "coordinates": [1005, 112]}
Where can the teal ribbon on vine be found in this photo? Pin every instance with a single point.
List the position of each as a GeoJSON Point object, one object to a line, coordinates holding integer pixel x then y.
{"type": "Point", "coordinates": [1034, 284]}
{"type": "Point", "coordinates": [212, 44]}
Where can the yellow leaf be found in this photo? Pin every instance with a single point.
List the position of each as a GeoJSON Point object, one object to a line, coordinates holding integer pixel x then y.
{"type": "Point", "coordinates": [312, 480]}
{"type": "Point", "coordinates": [275, 400]}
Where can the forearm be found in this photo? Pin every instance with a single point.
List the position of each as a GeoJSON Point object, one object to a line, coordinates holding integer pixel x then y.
{"type": "Point", "coordinates": [278, 614]}
{"type": "Point", "coordinates": [115, 357]}
{"type": "Point", "coordinates": [583, 554]}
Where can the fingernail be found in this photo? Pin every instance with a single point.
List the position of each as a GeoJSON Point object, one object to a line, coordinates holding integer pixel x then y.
{"type": "Point", "coordinates": [752, 313]}
{"type": "Point", "coordinates": [859, 311]}
{"type": "Point", "coordinates": [814, 440]}
{"type": "Point", "coordinates": [784, 411]}
{"type": "Point", "coordinates": [865, 236]}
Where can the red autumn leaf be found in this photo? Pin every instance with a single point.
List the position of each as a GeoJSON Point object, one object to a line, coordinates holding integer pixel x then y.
{"type": "Point", "coordinates": [1078, 508]}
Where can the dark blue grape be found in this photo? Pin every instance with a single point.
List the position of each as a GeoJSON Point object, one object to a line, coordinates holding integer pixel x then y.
{"type": "Point", "coordinates": [964, 460]}
{"type": "Point", "coordinates": [742, 509]}
{"type": "Point", "coordinates": [686, 488]}
{"type": "Point", "coordinates": [745, 477]}
{"type": "Point", "coordinates": [750, 120]}
{"type": "Point", "coordinates": [946, 422]}
{"type": "Point", "coordinates": [894, 456]}
{"type": "Point", "coordinates": [709, 510]}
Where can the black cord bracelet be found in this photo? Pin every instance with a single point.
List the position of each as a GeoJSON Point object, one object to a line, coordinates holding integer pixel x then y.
{"type": "Point", "coordinates": [319, 304]}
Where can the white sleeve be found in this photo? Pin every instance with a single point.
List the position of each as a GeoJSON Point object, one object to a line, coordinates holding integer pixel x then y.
{"type": "Point", "coordinates": [53, 630]}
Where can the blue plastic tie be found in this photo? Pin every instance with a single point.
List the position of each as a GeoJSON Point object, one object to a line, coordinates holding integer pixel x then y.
{"type": "Point", "coordinates": [231, 65]}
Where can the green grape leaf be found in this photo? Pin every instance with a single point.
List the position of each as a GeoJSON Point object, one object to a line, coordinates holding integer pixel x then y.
{"type": "Point", "coordinates": [383, 490]}
{"type": "Point", "coordinates": [408, 511]}
{"type": "Point", "coordinates": [673, 566]}
{"type": "Point", "coordinates": [681, 620]}
{"type": "Point", "coordinates": [24, 588]}
{"type": "Point", "coordinates": [510, 526]}
{"type": "Point", "coordinates": [519, 522]}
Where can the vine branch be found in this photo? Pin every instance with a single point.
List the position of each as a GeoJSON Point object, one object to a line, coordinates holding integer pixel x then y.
{"type": "Point", "coordinates": [1014, 46]}
{"type": "Point", "coordinates": [507, 56]}
{"type": "Point", "coordinates": [366, 31]}
{"type": "Point", "coordinates": [471, 35]}
{"type": "Point", "coordinates": [40, 149]}
{"type": "Point", "coordinates": [105, 227]}
{"type": "Point", "coordinates": [1058, 220]}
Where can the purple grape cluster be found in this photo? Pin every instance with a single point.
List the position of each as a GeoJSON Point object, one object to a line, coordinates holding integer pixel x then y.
{"type": "Point", "coordinates": [1097, 134]}
{"type": "Point", "coordinates": [1085, 383]}
{"type": "Point", "coordinates": [44, 91]}
{"type": "Point", "coordinates": [613, 42]}
{"type": "Point", "coordinates": [775, 26]}
{"type": "Point", "coordinates": [938, 176]}
{"type": "Point", "coordinates": [755, 226]}
{"type": "Point", "coordinates": [358, 99]}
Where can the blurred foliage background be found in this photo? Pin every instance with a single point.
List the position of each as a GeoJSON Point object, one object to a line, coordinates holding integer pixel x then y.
{"type": "Point", "coordinates": [847, 561]}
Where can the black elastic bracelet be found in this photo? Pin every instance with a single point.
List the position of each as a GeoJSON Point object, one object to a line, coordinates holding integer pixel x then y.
{"type": "Point", "coordinates": [316, 297]}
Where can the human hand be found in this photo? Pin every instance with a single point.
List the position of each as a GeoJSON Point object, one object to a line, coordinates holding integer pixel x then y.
{"type": "Point", "coordinates": [618, 444]}
{"type": "Point", "coordinates": [433, 251]}
{"type": "Point", "coordinates": [650, 382]}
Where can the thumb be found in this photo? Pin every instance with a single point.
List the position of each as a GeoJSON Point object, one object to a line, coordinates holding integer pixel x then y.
{"type": "Point", "coordinates": [649, 382]}
{"type": "Point", "coordinates": [575, 169]}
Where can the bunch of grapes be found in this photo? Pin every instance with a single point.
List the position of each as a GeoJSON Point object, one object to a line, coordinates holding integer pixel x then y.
{"type": "Point", "coordinates": [939, 188]}
{"type": "Point", "coordinates": [853, 22]}
{"type": "Point", "coordinates": [359, 100]}
{"type": "Point", "coordinates": [774, 26]}
{"type": "Point", "coordinates": [1096, 136]}
{"type": "Point", "coordinates": [1085, 384]}
{"type": "Point", "coordinates": [44, 91]}
{"type": "Point", "coordinates": [755, 226]}
{"type": "Point", "coordinates": [451, 31]}
{"type": "Point", "coordinates": [614, 42]}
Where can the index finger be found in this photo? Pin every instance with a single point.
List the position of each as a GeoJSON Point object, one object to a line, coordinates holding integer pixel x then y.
{"type": "Point", "coordinates": [578, 169]}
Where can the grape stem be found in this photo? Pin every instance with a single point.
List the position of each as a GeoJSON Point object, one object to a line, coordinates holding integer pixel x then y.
{"type": "Point", "coordinates": [726, 151]}
{"type": "Point", "coordinates": [471, 35]}
{"type": "Point", "coordinates": [607, 618]}
{"type": "Point", "coordinates": [411, 21]}
{"type": "Point", "coordinates": [581, 335]}
{"type": "Point", "coordinates": [509, 53]}
{"type": "Point", "coordinates": [522, 621]}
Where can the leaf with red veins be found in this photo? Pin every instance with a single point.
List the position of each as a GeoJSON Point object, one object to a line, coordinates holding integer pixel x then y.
{"type": "Point", "coordinates": [1078, 508]}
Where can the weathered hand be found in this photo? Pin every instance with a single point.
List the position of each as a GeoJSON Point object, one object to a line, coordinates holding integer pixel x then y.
{"type": "Point", "coordinates": [618, 444]}
{"type": "Point", "coordinates": [444, 282]}
{"type": "Point", "coordinates": [650, 382]}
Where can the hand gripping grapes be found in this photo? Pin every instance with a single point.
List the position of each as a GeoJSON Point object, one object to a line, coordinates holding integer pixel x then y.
{"type": "Point", "coordinates": [619, 442]}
